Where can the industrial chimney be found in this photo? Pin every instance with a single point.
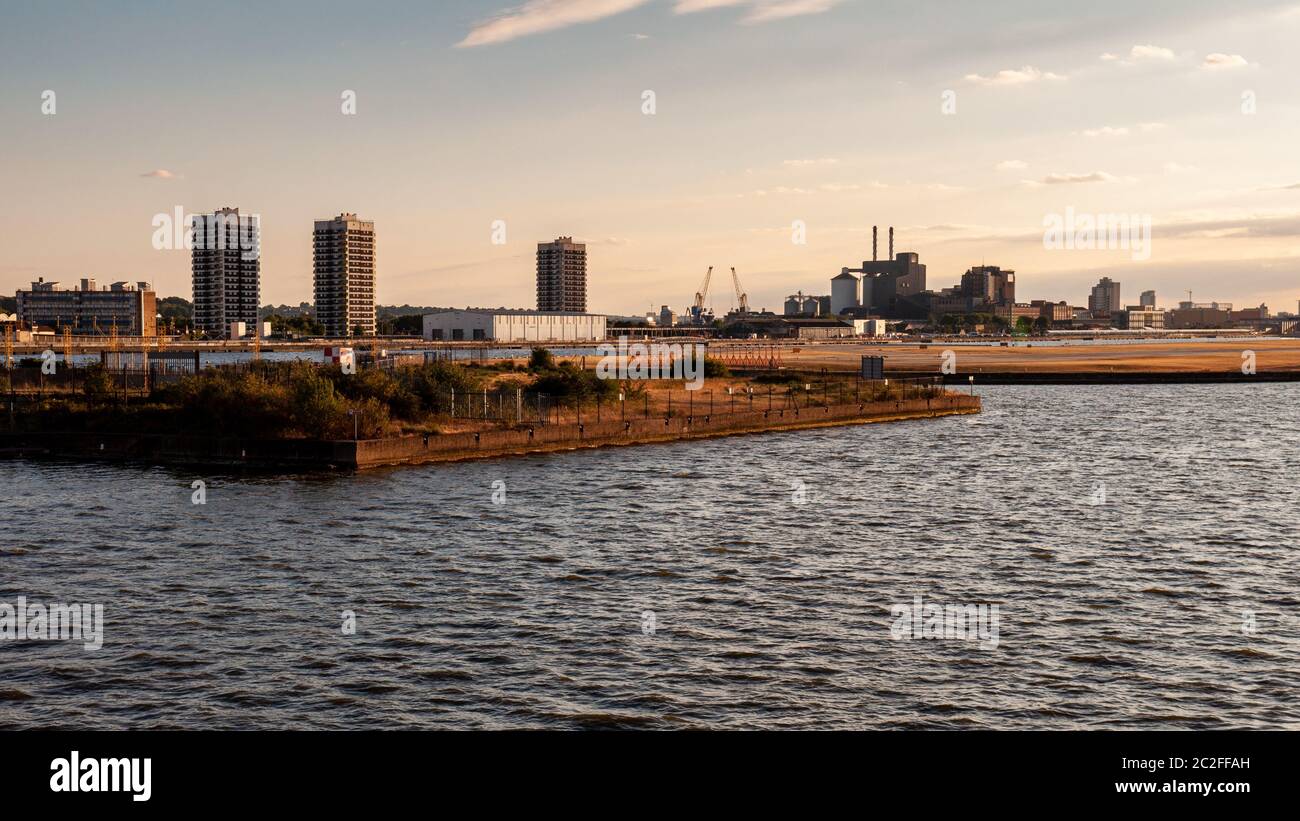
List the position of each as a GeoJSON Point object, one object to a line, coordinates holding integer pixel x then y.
{"type": "Point", "coordinates": [891, 243]}
{"type": "Point", "coordinates": [875, 233]}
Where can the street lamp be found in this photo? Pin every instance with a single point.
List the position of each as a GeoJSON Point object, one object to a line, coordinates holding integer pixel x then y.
{"type": "Point", "coordinates": [971, 378]}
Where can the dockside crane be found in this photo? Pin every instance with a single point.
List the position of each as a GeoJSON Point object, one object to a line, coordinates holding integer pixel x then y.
{"type": "Point", "coordinates": [697, 310]}
{"type": "Point", "coordinates": [742, 298]}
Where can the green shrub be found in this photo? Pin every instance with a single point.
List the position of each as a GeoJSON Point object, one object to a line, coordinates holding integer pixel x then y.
{"type": "Point", "coordinates": [541, 360]}
{"type": "Point", "coordinates": [715, 368]}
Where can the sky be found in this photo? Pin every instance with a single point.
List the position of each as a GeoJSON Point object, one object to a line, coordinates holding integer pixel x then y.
{"type": "Point", "coordinates": [774, 135]}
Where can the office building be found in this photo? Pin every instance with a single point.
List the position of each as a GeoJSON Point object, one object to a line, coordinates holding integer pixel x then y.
{"type": "Point", "coordinates": [1148, 299]}
{"type": "Point", "coordinates": [129, 309]}
{"type": "Point", "coordinates": [562, 276]}
{"type": "Point", "coordinates": [344, 265]}
{"type": "Point", "coordinates": [226, 268]}
{"type": "Point", "coordinates": [1104, 299]}
{"type": "Point", "coordinates": [1140, 318]}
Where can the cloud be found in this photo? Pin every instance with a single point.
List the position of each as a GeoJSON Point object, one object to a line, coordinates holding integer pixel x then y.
{"type": "Point", "coordinates": [1013, 77]}
{"type": "Point", "coordinates": [809, 163]}
{"type": "Point", "coordinates": [766, 12]}
{"type": "Point", "coordinates": [537, 16]}
{"type": "Point", "coordinates": [1067, 179]}
{"type": "Point", "coordinates": [1106, 131]}
{"type": "Point", "coordinates": [1011, 165]}
{"type": "Point", "coordinates": [760, 11]}
{"type": "Point", "coordinates": [692, 6]}
{"type": "Point", "coordinates": [160, 174]}
{"type": "Point", "coordinates": [1218, 62]}
{"type": "Point", "coordinates": [1252, 226]}
{"type": "Point", "coordinates": [1176, 168]}
{"type": "Point", "coordinates": [1150, 52]}
{"type": "Point", "coordinates": [1142, 54]}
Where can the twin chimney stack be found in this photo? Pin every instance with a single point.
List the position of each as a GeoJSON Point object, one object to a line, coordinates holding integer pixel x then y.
{"type": "Point", "coordinates": [875, 241]}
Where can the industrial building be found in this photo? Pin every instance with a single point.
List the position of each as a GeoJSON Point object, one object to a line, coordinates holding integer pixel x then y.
{"type": "Point", "coordinates": [1219, 315]}
{"type": "Point", "coordinates": [846, 293]}
{"type": "Point", "coordinates": [888, 288]}
{"type": "Point", "coordinates": [801, 304]}
{"type": "Point", "coordinates": [123, 308]}
{"type": "Point", "coordinates": [343, 262]}
{"type": "Point", "coordinates": [226, 267]}
{"type": "Point", "coordinates": [562, 276]}
{"type": "Point", "coordinates": [502, 325]}
{"type": "Point", "coordinates": [869, 327]}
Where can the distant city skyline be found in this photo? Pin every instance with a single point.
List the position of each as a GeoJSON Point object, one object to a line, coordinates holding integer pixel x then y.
{"type": "Point", "coordinates": [771, 119]}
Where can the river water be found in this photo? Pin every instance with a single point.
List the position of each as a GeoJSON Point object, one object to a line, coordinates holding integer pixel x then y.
{"type": "Point", "coordinates": [1140, 543]}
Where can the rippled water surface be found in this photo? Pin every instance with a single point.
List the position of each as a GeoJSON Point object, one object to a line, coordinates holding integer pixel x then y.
{"type": "Point", "coordinates": [1123, 532]}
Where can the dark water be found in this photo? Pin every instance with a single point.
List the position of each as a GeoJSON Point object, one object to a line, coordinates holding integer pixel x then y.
{"type": "Point", "coordinates": [768, 613]}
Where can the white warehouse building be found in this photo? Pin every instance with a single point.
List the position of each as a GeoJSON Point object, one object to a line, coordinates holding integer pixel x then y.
{"type": "Point", "coordinates": [476, 324]}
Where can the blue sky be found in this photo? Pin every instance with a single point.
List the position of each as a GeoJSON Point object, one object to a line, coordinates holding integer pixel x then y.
{"type": "Point", "coordinates": [768, 113]}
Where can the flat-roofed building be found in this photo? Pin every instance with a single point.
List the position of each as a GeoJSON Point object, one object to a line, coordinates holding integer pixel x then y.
{"type": "Point", "coordinates": [505, 325]}
{"type": "Point", "coordinates": [128, 308]}
{"type": "Point", "coordinates": [1054, 312]}
{"type": "Point", "coordinates": [562, 276]}
{"type": "Point", "coordinates": [343, 261]}
{"type": "Point", "coordinates": [1139, 318]}
{"type": "Point", "coordinates": [226, 270]}
{"type": "Point", "coordinates": [1104, 299]}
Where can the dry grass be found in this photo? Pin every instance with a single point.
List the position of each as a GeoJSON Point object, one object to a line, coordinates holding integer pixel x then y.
{"type": "Point", "coordinates": [1160, 357]}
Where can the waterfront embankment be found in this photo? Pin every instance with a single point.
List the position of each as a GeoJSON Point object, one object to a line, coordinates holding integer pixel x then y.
{"type": "Point", "coordinates": [305, 454]}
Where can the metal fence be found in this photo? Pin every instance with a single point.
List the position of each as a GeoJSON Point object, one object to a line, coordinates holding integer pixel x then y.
{"type": "Point", "coordinates": [526, 407]}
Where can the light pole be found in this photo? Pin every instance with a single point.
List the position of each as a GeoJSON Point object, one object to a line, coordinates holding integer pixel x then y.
{"type": "Point", "coordinates": [971, 378]}
{"type": "Point", "coordinates": [355, 423]}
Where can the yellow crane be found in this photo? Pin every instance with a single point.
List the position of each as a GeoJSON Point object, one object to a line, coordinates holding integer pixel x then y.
{"type": "Point", "coordinates": [697, 309]}
{"type": "Point", "coordinates": [742, 298]}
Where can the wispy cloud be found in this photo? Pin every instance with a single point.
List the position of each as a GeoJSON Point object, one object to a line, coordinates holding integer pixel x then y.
{"type": "Point", "coordinates": [766, 12]}
{"type": "Point", "coordinates": [1069, 179]}
{"type": "Point", "coordinates": [1013, 77]}
{"type": "Point", "coordinates": [1106, 131]}
{"type": "Point", "coordinates": [1143, 54]}
{"type": "Point", "coordinates": [822, 161]}
{"type": "Point", "coordinates": [537, 16]}
{"type": "Point", "coordinates": [1219, 62]}
{"type": "Point", "coordinates": [1011, 165]}
{"type": "Point", "coordinates": [160, 174]}
{"type": "Point", "coordinates": [760, 11]}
